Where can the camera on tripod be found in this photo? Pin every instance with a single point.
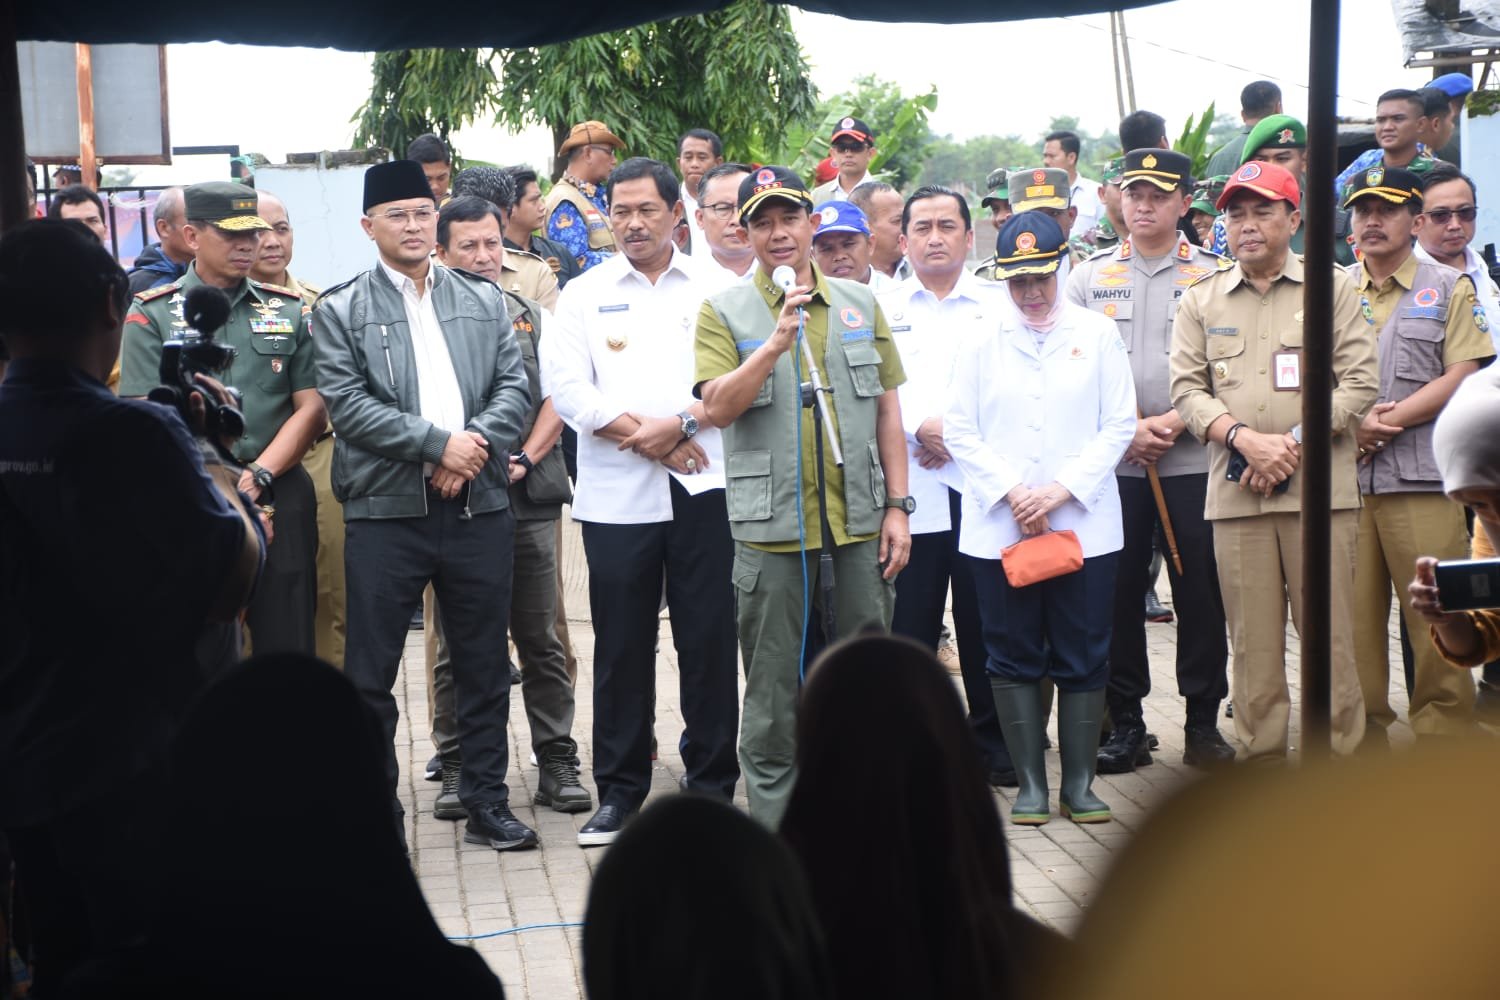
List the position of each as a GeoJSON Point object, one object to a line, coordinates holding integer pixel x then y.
{"type": "Point", "coordinates": [193, 352]}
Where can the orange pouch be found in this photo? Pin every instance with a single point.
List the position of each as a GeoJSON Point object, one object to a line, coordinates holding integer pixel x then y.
{"type": "Point", "coordinates": [1042, 557]}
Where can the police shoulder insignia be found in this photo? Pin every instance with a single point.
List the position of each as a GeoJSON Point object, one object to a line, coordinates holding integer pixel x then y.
{"type": "Point", "coordinates": [151, 294]}
{"type": "Point", "coordinates": [1184, 250]}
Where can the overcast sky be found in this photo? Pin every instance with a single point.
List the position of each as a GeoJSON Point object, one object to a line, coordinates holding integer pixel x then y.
{"type": "Point", "coordinates": [1002, 78]}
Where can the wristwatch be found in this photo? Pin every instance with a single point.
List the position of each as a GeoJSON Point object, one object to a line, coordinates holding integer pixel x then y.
{"type": "Point", "coordinates": [908, 504]}
{"type": "Point", "coordinates": [524, 461]}
{"type": "Point", "coordinates": [689, 424]}
{"type": "Point", "coordinates": [260, 476]}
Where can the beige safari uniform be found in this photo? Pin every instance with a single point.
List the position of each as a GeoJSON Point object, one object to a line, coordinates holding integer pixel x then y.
{"type": "Point", "coordinates": [1230, 347]}
{"type": "Point", "coordinates": [1426, 320]}
{"type": "Point", "coordinates": [527, 275]}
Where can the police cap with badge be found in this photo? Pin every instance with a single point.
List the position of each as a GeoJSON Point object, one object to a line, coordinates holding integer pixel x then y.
{"type": "Point", "coordinates": [1164, 169]}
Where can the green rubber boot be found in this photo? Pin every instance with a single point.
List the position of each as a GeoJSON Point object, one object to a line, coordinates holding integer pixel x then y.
{"type": "Point", "coordinates": [1079, 715]}
{"type": "Point", "coordinates": [1019, 706]}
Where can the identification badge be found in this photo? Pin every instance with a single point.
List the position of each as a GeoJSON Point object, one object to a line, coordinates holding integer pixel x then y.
{"type": "Point", "coordinates": [1288, 370]}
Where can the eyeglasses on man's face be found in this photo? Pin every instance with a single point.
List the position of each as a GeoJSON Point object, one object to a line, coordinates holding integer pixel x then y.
{"type": "Point", "coordinates": [1442, 216]}
{"type": "Point", "coordinates": [400, 216]}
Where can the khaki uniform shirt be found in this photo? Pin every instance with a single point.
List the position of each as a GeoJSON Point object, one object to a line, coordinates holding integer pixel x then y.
{"type": "Point", "coordinates": [1141, 295]}
{"type": "Point", "coordinates": [527, 275]}
{"type": "Point", "coordinates": [1230, 347]}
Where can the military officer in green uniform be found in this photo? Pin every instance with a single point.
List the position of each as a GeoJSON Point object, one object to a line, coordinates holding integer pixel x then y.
{"type": "Point", "coordinates": [1106, 235]}
{"type": "Point", "coordinates": [273, 369]}
{"type": "Point", "coordinates": [748, 368]}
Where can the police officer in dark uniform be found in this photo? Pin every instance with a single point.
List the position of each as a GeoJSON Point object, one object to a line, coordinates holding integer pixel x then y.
{"type": "Point", "coordinates": [273, 369]}
{"type": "Point", "coordinates": [1163, 478]}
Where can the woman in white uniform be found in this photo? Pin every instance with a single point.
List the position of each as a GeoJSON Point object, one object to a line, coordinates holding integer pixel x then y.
{"type": "Point", "coordinates": [1041, 412]}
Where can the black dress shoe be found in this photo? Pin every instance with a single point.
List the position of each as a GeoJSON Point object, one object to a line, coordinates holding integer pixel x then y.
{"type": "Point", "coordinates": [494, 824]}
{"type": "Point", "coordinates": [1203, 746]}
{"type": "Point", "coordinates": [1126, 748]}
{"type": "Point", "coordinates": [603, 827]}
{"type": "Point", "coordinates": [1155, 610]}
{"type": "Point", "coordinates": [434, 769]}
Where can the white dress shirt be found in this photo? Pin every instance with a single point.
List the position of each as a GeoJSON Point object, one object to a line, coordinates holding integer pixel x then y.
{"type": "Point", "coordinates": [834, 190]}
{"type": "Point", "coordinates": [1028, 414]}
{"type": "Point", "coordinates": [699, 243]}
{"type": "Point", "coordinates": [1085, 198]}
{"type": "Point", "coordinates": [1484, 286]}
{"type": "Point", "coordinates": [620, 344]}
{"type": "Point", "coordinates": [928, 332]}
{"type": "Point", "coordinates": [438, 395]}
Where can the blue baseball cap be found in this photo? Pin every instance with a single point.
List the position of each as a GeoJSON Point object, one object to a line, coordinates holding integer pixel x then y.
{"type": "Point", "coordinates": [1454, 84]}
{"type": "Point", "coordinates": [840, 217]}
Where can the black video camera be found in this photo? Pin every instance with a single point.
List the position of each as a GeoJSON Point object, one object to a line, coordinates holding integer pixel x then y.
{"type": "Point", "coordinates": [192, 352]}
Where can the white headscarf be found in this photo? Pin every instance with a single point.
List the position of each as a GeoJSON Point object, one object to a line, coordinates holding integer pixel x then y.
{"type": "Point", "coordinates": [1466, 438]}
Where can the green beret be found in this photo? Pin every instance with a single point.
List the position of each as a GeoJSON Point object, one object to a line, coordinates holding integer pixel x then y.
{"type": "Point", "coordinates": [1275, 132]}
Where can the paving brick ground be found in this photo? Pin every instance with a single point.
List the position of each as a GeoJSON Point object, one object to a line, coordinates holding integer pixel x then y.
{"type": "Point", "coordinates": [476, 891]}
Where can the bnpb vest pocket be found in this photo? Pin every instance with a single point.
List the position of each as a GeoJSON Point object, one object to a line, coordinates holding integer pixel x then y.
{"type": "Point", "coordinates": [748, 485]}
{"type": "Point", "coordinates": [864, 366]}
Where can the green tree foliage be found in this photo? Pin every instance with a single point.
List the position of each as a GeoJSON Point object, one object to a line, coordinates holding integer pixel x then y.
{"type": "Point", "coordinates": [902, 136]}
{"type": "Point", "coordinates": [738, 71]}
{"type": "Point", "coordinates": [414, 91]}
{"type": "Point", "coordinates": [1195, 143]}
{"type": "Point", "coordinates": [963, 166]}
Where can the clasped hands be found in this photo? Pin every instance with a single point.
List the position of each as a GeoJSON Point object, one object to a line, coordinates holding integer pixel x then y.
{"type": "Point", "coordinates": [660, 439]}
{"type": "Point", "coordinates": [1154, 437]}
{"type": "Point", "coordinates": [1271, 458]}
{"type": "Point", "coordinates": [1374, 433]}
{"type": "Point", "coordinates": [463, 457]}
{"type": "Point", "coordinates": [1030, 507]}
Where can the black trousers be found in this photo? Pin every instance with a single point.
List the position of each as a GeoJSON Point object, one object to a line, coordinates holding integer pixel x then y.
{"type": "Point", "coordinates": [920, 592]}
{"type": "Point", "coordinates": [388, 563]}
{"type": "Point", "coordinates": [283, 612]}
{"type": "Point", "coordinates": [1202, 649]}
{"type": "Point", "coordinates": [1057, 628]}
{"type": "Point", "coordinates": [626, 566]}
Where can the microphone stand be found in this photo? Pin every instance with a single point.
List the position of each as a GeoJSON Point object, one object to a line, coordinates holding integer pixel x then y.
{"type": "Point", "coordinates": [812, 392]}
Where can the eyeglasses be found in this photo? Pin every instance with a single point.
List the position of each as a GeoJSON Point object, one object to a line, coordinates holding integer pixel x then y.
{"type": "Point", "coordinates": [720, 209]}
{"type": "Point", "coordinates": [848, 147]}
{"type": "Point", "coordinates": [1441, 216]}
{"type": "Point", "coordinates": [607, 150]}
{"type": "Point", "coordinates": [400, 216]}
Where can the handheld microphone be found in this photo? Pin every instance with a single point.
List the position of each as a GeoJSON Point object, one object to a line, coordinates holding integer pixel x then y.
{"type": "Point", "coordinates": [784, 278]}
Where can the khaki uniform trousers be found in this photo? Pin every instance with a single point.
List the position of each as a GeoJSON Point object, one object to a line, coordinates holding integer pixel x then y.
{"type": "Point", "coordinates": [1394, 529]}
{"type": "Point", "coordinates": [1260, 572]}
{"type": "Point", "coordinates": [329, 622]}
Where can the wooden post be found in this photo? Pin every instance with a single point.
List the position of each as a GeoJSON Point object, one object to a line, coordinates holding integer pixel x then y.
{"type": "Point", "coordinates": [88, 163]}
{"type": "Point", "coordinates": [13, 207]}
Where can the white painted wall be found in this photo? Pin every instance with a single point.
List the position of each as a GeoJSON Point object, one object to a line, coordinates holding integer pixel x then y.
{"type": "Point", "coordinates": [324, 206]}
{"type": "Point", "coordinates": [1481, 137]}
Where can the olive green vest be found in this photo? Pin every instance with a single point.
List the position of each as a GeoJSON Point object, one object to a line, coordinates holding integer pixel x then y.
{"type": "Point", "coordinates": [601, 237]}
{"type": "Point", "coordinates": [760, 447]}
{"type": "Point", "coordinates": [539, 496]}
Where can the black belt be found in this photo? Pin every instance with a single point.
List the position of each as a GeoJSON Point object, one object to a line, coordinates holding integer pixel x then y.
{"type": "Point", "coordinates": [323, 437]}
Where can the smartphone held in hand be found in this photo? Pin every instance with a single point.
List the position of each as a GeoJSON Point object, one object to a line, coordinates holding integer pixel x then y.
{"type": "Point", "coordinates": [1468, 584]}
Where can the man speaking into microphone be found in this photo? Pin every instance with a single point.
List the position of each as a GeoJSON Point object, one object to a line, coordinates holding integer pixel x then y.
{"type": "Point", "coordinates": [750, 372]}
